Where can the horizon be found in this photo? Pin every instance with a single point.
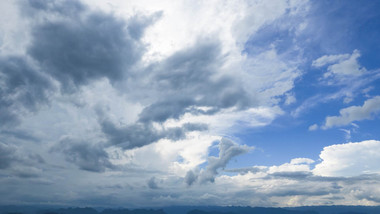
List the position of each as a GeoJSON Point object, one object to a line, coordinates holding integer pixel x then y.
{"type": "Point", "coordinates": [146, 103]}
{"type": "Point", "coordinates": [192, 210]}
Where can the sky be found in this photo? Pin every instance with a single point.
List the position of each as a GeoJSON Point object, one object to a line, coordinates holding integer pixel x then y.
{"type": "Point", "coordinates": [160, 103]}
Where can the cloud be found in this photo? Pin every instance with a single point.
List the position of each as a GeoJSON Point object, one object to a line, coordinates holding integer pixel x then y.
{"type": "Point", "coordinates": [346, 76]}
{"type": "Point", "coordinates": [152, 183]}
{"type": "Point", "coordinates": [190, 78]}
{"type": "Point", "coordinates": [330, 59]}
{"type": "Point", "coordinates": [295, 165]}
{"type": "Point", "coordinates": [86, 155]}
{"type": "Point", "coordinates": [18, 163]}
{"type": "Point", "coordinates": [23, 89]}
{"type": "Point", "coordinates": [313, 127]}
{"type": "Point", "coordinates": [140, 134]}
{"type": "Point", "coordinates": [191, 177]}
{"type": "Point", "coordinates": [354, 113]}
{"type": "Point", "coordinates": [7, 155]}
{"type": "Point", "coordinates": [227, 150]}
{"type": "Point", "coordinates": [349, 159]}
{"type": "Point", "coordinates": [84, 45]}
{"type": "Point", "coordinates": [343, 65]}
{"type": "Point", "coordinates": [163, 104]}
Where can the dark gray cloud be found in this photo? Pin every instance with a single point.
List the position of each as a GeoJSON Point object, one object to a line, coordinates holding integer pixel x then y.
{"type": "Point", "coordinates": [187, 79]}
{"type": "Point", "coordinates": [78, 49]}
{"type": "Point", "coordinates": [308, 176]}
{"type": "Point", "coordinates": [87, 156]}
{"type": "Point", "coordinates": [178, 85]}
{"type": "Point", "coordinates": [16, 162]}
{"type": "Point", "coordinates": [23, 88]}
{"type": "Point", "coordinates": [227, 150]}
{"type": "Point", "coordinates": [75, 47]}
{"type": "Point", "coordinates": [191, 177]}
{"type": "Point", "coordinates": [245, 170]}
{"type": "Point", "coordinates": [163, 110]}
{"type": "Point", "coordinates": [79, 46]}
{"type": "Point", "coordinates": [130, 136]}
{"type": "Point", "coordinates": [7, 155]}
{"type": "Point", "coordinates": [152, 183]}
{"type": "Point", "coordinates": [300, 191]}
{"type": "Point", "coordinates": [299, 175]}
{"type": "Point", "coordinates": [18, 134]}
{"type": "Point", "coordinates": [141, 134]}
{"type": "Point", "coordinates": [368, 195]}
{"type": "Point", "coordinates": [65, 7]}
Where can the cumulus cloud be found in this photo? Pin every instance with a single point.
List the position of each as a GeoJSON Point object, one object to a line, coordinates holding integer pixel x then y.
{"type": "Point", "coordinates": [354, 113]}
{"type": "Point", "coordinates": [349, 159]}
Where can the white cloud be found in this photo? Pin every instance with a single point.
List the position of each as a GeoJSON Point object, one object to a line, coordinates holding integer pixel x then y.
{"type": "Point", "coordinates": [290, 99]}
{"type": "Point", "coordinates": [301, 161]}
{"type": "Point", "coordinates": [230, 121]}
{"type": "Point", "coordinates": [350, 159]}
{"type": "Point", "coordinates": [329, 59]}
{"type": "Point", "coordinates": [13, 34]}
{"type": "Point", "coordinates": [344, 65]}
{"type": "Point", "coordinates": [295, 165]}
{"type": "Point", "coordinates": [313, 127]}
{"type": "Point", "coordinates": [354, 113]}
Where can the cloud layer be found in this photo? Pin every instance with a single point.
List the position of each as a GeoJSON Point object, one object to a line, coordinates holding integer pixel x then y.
{"type": "Point", "coordinates": [142, 104]}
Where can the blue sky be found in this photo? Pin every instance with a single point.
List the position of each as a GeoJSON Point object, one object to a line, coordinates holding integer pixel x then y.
{"type": "Point", "coordinates": [333, 27]}
{"type": "Point", "coordinates": [147, 103]}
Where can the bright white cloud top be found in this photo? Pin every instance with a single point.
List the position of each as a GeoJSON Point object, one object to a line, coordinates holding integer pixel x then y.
{"type": "Point", "coordinates": [158, 103]}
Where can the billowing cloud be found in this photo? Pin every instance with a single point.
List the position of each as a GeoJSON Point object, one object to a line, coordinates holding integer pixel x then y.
{"type": "Point", "coordinates": [349, 159]}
